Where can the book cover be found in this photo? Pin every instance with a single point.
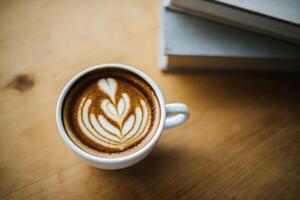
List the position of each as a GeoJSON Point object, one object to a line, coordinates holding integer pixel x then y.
{"type": "Point", "coordinates": [190, 42]}
{"type": "Point", "coordinates": [276, 18]}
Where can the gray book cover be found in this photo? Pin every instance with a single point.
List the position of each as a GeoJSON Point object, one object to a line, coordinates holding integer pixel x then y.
{"type": "Point", "coordinates": [184, 35]}
{"type": "Point", "coordinates": [286, 10]}
{"type": "Point", "coordinates": [276, 18]}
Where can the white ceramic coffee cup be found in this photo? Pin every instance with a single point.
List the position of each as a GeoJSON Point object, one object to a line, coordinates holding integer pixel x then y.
{"type": "Point", "coordinates": [171, 115]}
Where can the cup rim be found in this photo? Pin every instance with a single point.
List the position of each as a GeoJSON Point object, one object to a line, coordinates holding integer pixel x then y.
{"type": "Point", "coordinates": [89, 156]}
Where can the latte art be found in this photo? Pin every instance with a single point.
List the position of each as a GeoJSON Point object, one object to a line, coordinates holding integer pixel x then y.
{"type": "Point", "coordinates": [111, 113]}
{"type": "Point", "coordinates": [127, 127]}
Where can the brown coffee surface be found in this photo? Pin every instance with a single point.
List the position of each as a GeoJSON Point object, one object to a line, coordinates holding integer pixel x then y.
{"type": "Point", "coordinates": [111, 112]}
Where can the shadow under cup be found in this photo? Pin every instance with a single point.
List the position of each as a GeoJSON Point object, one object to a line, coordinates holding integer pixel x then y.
{"type": "Point", "coordinates": [110, 112]}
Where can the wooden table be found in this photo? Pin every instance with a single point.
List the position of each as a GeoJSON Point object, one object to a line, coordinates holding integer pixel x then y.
{"type": "Point", "coordinates": [241, 142]}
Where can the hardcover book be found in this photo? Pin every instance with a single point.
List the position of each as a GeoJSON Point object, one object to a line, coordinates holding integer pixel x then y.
{"type": "Point", "coordinates": [188, 42]}
{"type": "Point", "coordinates": [276, 18]}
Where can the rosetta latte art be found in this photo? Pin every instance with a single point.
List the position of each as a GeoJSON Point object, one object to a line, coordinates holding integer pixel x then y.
{"type": "Point", "coordinates": [130, 125]}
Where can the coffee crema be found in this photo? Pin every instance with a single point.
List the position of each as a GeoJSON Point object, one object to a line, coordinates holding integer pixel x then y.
{"type": "Point", "coordinates": [111, 112]}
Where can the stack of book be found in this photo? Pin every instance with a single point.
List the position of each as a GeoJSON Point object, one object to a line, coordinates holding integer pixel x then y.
{"type": "Point", "coordinates": [230, 34]}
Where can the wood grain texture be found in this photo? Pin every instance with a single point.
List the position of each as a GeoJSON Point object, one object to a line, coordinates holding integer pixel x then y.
{"type": "Point", "coordinates": [241, 142]}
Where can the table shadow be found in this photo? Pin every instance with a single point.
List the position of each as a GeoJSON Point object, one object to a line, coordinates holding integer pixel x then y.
{"type": "Point", "coordinates": [152, 178]}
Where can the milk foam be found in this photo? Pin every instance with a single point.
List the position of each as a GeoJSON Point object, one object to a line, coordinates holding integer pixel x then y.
{"type": "Point", "coordinates": [131, 126]}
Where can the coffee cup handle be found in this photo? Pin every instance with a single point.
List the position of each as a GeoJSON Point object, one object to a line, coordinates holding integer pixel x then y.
{"type": "Point", "coordinates": [176, 114]}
